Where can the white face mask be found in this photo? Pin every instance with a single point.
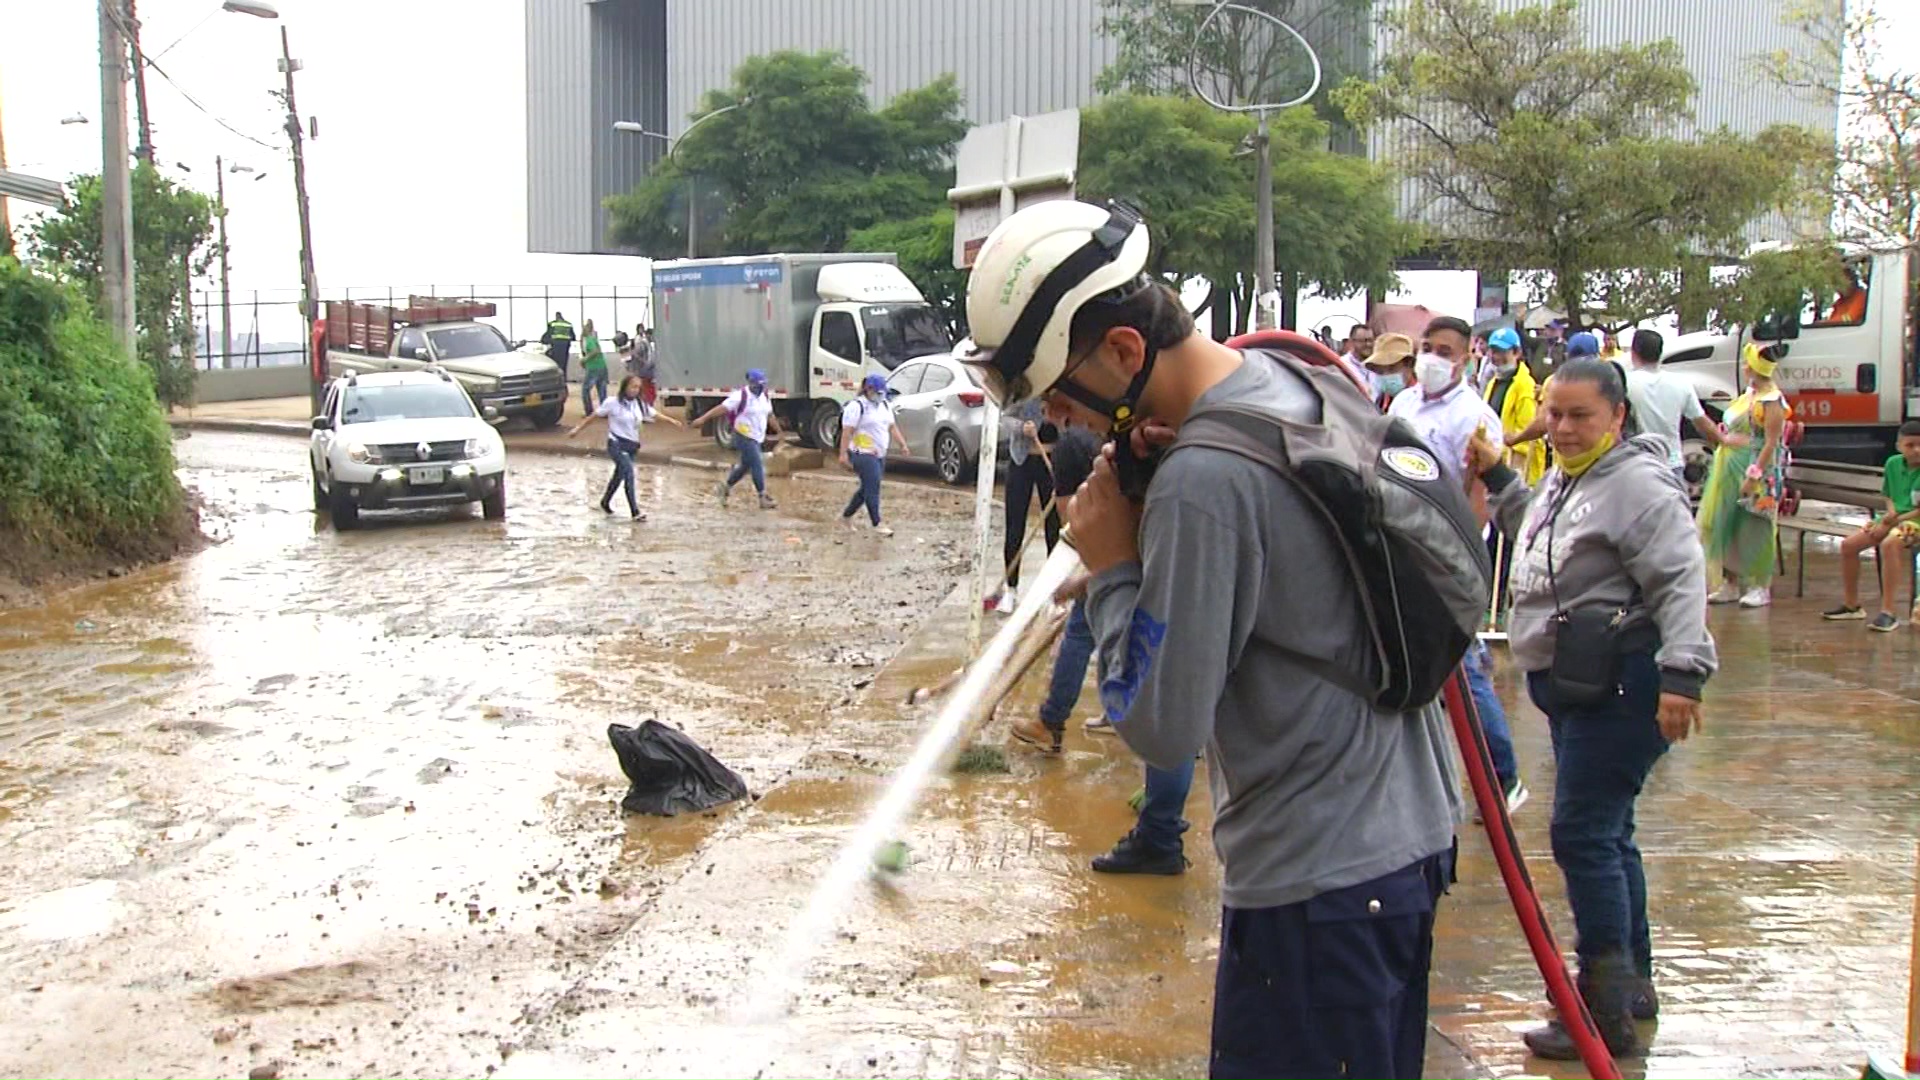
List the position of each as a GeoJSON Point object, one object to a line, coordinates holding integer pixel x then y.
{"type": "Point", "coordinates": [1434, 372]}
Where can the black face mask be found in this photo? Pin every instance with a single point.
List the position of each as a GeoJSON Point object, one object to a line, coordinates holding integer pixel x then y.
{"type": "Point", "coordinates": [1133, 471]}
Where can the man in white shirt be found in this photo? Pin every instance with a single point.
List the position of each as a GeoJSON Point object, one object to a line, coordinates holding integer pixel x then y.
{"type": "Point", "coordinates": [1662, 401]}
{"type": "Point", "coordinates": [1446, 411]}
{"type": "Point", "coordinates": [1359, 348]}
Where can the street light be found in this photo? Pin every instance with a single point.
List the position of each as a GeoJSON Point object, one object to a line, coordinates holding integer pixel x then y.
{"type": "Point", "coordinates": [76, 118]}
{"type": "Point", "coordinates": [256, 8]}
{"type": "Point", "coordinates": [634, 127]}
{"type": "Point", "coordinates": [1265, 297]}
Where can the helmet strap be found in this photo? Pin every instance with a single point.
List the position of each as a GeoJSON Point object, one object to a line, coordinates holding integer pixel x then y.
{"type": "Point", "coordinates": [1122, 412]}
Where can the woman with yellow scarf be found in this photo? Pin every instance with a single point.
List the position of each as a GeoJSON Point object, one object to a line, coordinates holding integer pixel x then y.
{"type": "Point", "coordinates": [1740, 507]}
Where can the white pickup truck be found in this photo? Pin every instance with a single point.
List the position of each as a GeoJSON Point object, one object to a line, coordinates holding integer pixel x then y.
{"type": "Point", "coordinates": [446, 334]}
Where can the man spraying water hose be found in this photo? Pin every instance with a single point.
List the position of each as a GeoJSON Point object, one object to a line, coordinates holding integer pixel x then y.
{"type": "Point", "coordinates": [1222, 604]}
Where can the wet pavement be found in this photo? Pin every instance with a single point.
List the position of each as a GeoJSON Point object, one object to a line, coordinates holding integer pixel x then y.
{"type": "Point", "coordinates": [345, 804]}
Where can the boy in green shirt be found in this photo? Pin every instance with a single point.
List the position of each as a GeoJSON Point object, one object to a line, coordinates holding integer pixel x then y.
{"type": "Point", "coordinates": [593, 366]}
{"type": "Point", "coordinates": [1895, 533]}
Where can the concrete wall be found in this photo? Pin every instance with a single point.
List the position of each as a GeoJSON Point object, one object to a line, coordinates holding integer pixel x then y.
{"type": "Point", "coordinates": [249, 384]}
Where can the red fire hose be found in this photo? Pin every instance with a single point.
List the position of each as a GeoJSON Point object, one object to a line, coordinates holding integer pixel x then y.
{"type": "Point", "coordinates": [1513, 870]}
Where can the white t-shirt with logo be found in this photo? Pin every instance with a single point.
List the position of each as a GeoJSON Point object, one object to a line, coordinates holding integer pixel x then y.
{"type": "Point", "coordinates": [623, 417]}
{"type": "Point", "coordinates": [751, 420]}
{"type": "Point", "coordinates": [1447, 423]}
{"type": "Point", "coordinates": [869, 424]}
{"type": "Point", "coordinates": [1661, 402]}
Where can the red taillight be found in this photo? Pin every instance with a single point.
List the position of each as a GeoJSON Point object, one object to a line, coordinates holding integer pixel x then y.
{"type": "Point", "coordinates": [973, 399]}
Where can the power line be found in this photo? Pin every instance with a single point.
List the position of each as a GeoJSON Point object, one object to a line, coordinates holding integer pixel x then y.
{"type": "Point", "coordinates": [114, 12]}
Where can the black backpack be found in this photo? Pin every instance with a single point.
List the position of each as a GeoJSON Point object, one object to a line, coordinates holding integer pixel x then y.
{"type": "Point", "coordinates": [1405, 528]}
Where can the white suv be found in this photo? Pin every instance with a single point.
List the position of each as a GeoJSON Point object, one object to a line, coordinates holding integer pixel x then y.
{"type": "Point", "coordinates": [402, 439]}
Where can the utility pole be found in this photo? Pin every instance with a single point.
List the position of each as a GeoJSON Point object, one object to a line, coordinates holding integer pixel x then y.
{"type": "Point", "coordinates": [144, 151]}
{"type": "Point", "coordinates": [309, 287]}
{"type": "Point", "coordinates": [6, 222]}
{"type": "Point", "coordinates": [1264, 298]}
{"type": "Point", "coordinates": [116, 186]}
{"type": "Point", "coordinates": [226, 305]}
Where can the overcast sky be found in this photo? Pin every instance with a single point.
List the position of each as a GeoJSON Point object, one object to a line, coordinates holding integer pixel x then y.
{"type": "Point", "coordinates": [419, 173]}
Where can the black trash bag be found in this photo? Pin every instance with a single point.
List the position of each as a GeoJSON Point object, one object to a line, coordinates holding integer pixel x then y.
{"type": "Point", "coordinates": [669, 772]}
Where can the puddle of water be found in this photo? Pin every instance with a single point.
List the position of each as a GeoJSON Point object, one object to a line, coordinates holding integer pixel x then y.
{"type": "Point", "coordinates": [854, 863]}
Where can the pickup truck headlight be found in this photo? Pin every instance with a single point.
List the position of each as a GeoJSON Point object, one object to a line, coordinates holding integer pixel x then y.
{"type": "Point", "coordinates": [362, 454]}
{"type": "Point", "coordinates": [474, 448]}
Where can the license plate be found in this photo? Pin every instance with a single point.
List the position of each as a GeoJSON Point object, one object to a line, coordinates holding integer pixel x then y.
{"type": "Point", "coordinates": [532, 399]}
{"type": "Point", "coordinates": [427, 476]}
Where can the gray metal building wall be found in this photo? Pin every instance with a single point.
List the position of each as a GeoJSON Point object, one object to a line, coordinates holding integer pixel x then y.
{"type": "Point", "coordinates": [560, 196]}
{"type": "Point", "coordinates": [590, 62]}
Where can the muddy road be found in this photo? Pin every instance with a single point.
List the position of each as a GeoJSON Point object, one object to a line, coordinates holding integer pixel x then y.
{"type": "Point", "coordinates": [344, 802]}
{"type": "Point", "coordinates": [323, 804]}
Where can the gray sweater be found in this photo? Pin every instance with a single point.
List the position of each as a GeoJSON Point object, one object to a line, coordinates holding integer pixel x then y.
{"type": "Point", "coordinates": [1621, 538]}
{"type": "Point", "coordinates": [1205, 643]}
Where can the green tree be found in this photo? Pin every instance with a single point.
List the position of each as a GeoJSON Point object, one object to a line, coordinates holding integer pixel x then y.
{"type": "Point", "coordinates": [1875, 171]}
{"type": "Point", "coordinates": [1542, 152]}
{"type": "Point", "coordinates": [925, 247]}
{"type": "Point", "coordinates": [1335, 230]}
{"type": "Point", "coordinates": [799, 162]}
{"type": "Point", "coordinates": [172, 243]}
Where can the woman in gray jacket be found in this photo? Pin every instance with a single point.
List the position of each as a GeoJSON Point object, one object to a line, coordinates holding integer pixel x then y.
{"type": "Point", "coordinates": [1609, 623]}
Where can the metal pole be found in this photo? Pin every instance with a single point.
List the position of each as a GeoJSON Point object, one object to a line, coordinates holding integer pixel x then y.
{"type": "Point", "coordinates": [1265, 299]}
{"type": "Point", "coordinates": [226, 301]}
{"type": "Point", "coordinates": [116, 185]}
{"type": "Point", "coordinates": [693, 219]}
{"type": "Point", "coordinates": [982, 529]}
{"type": "Point", "coordinates": [309, 286]}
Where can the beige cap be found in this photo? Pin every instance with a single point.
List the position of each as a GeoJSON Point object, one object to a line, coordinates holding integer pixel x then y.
{"type": "Point", "coordinates": [1390, 350]}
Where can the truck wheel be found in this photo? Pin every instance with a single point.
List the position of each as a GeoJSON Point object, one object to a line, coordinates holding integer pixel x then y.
{"type": "Point", "coordinates": [547, 419]}
{"type": "Point", "coordinates": [344, 511]}
{"type": "Point", "coordinates": [950, 458]}
{"type": "Point", "coordinates": [722, 434]}
{"type": "Point", "coordinates": [494, 506]}
{"type": "Point", "coordinates": [824, 428]}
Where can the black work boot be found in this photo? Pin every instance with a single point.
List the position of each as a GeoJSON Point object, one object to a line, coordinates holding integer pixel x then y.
{"type": "Point", "coordinates": [1130, 856]}
{"type": "Point", "coordinates": [1606, 983]}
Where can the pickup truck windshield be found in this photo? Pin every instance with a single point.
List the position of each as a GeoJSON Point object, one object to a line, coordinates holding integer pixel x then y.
{"type": "Point", "coordinates": [460, 342]}
{"type": "Point", "coordinates": [371, 404]}
{"type": "Point", "coordinates": [900, 332]}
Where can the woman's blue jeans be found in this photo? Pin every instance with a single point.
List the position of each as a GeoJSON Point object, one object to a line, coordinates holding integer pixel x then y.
{"type": "Point", "coordinates": [751, 463]}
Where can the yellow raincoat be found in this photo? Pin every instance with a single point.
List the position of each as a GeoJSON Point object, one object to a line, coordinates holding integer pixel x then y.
{"type": "Point", "coordinates": [1516, 415]}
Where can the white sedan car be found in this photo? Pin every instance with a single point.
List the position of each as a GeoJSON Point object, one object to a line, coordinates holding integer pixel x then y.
{"type": "Point", "coordinates": [404, 439]}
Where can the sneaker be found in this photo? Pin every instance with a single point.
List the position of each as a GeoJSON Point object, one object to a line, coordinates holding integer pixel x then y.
{"type": "Point", "coordinates": [723, 490]}
{"type": "Point", "coordinates": [1757, 597]}
{"type": "Point", "coordinates": [1129, 856]}
{"type": "Point", "coordinates": [1884, 623]}
{"type": "Point", "coordinates": [1843, 613]}
{"type": "Point", "coordinates": [639, 516]}
{"type": "Point", "coordinates": [1031, 731]}
{"type": "Point", "coordinates": [1099, 725]}
{"type": "Point", "coordinates": [606, 508]}
{"type": "Point", "coordinates": [1008, 600]}
{"type": "Point", "coordinates": [767, 503]}
{"type": "Point", "coordinates": [882, 530]}
{"type": "Point", "coordinates": [1727, 594]}
{"type": "Point", "coordinates": [1517, 796]}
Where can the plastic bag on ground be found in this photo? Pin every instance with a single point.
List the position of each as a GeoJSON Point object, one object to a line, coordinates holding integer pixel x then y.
{"type": "Point", "coordinates": [669, 773]}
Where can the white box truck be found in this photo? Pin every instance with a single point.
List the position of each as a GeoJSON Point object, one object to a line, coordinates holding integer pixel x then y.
{"type": "Point", "coordinates": [816, 324]}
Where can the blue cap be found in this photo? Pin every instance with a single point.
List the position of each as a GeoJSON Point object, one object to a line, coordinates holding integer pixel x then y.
{"type": "Point", "coordinates": [1504, 338]}
{"type": "Point", "coordinates": [756, 377]}
{"type": "Point", "coordinates": [874, 382]}
{"type": "Point", "coordinates": [1582, 344]}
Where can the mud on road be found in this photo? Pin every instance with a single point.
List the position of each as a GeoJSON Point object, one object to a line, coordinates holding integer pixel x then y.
{"type": "Point", "coordinates": [330, 804]}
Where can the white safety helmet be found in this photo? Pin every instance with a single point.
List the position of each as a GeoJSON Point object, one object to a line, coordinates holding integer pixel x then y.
{"type": "Point", "coordinates": [1036, 270]}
